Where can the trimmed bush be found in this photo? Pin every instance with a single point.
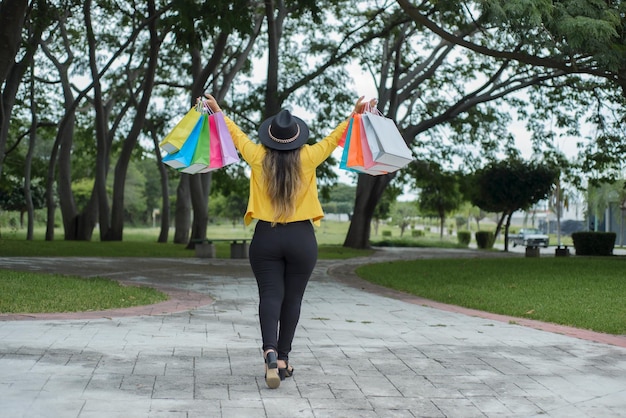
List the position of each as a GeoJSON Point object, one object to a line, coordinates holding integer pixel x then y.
{"type": "Point", "coordinates": [485, 239]}
{"type": "Point", "coordinates": [594, 243]}
{"type": "Point", "coordinates": [386, 233]}
{"type": "Point", "coordinates": [464, 237]}
{"type": "Point", "coordinates": [417, 233]}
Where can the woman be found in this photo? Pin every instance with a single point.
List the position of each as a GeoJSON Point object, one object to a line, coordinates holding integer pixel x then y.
{"type": "Point", "coordinates": [283, 198]}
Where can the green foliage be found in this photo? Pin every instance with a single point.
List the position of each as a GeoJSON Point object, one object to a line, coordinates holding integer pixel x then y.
{"type": "Point", "coordinates": [403, 214]}
{"type": "Point", "coordinates": [439, 193]}
{"type": "Point", "coordinates": [594, 243]}
{"type": "Point", "coordinates": [338, 198]}
{"type": "Point", "coordinates": [12, 194]}
{"type": "Point", "coordinates": [419, 242]}
{"type": "Point", "coordinates": [386, 202]}
{"type": "Point", "coordinates": [509, 185]}
{"type": "Point", "coordinates": [135, 203]}
{"type": "Point", "coordinates": [82, 190]}
{"type": "Point", "coordinates": [484, 239]}
{"type": "Point", "coordinates": [583, 292]}
{"type": "Point", "coordinates": [464, 237]}
{"type": "Point", "coordinates": [193, 21]}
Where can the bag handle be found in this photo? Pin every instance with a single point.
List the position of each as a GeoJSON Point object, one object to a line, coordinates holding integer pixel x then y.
{"type": "Point", "coordinates": [202, 106]}
{"type": "Point", "coordinates": [371, 109]}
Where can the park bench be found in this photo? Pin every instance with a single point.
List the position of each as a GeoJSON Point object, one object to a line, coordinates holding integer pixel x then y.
{"type": "Point", "coordinates": [205, 248]}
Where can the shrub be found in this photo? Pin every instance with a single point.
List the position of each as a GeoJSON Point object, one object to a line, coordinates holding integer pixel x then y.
{"type": "Point", "coordinates": [386, 233]}
{"type": "Point", "coordinates": [417, 233]}
{"type": "Point", "coordinates": [484, 239]}
{"type": "Point", "coordinates": [464, 237]}
{"type": "Point", "coordinates": [594, 243]}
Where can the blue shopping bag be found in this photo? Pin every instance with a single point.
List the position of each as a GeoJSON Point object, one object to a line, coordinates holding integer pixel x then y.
{"type": "Point", "coordinates": [184, 156]}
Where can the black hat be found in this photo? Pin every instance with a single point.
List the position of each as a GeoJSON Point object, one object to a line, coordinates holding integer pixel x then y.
{"type": "Point", "coordinates": [283, 131]}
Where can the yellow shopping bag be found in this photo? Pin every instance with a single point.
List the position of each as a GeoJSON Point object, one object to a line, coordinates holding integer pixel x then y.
{"type": "Point", "coordinates": [179, 134]}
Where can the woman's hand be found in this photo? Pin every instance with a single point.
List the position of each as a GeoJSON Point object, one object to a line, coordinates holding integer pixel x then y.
{"type": "Point", "coordinates": [360, 107]}
{"type": "Point", "coordinates": [212, 103]}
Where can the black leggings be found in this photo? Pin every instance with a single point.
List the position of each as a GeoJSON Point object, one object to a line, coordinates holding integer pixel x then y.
{"type": "Point", "coordinates": [282, 259]}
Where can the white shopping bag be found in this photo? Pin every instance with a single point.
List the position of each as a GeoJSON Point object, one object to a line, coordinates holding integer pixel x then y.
{"type": "Point", "coordinates": [386, 143]}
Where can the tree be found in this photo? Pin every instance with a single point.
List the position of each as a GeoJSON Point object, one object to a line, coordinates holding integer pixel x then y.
{"type": "Point", "coordinates": [115, 77]}
{"type": "Point", "coordinates": [385, 205]}
{"type": "Point", "coordinates": [339, 198]}
{"type": "Point", "coordinates": [439, 192]}
{"type": "Point", "coordinates": [574, 37]}
{"type": "Point", "coordinates": [12, 14]}
{"type": "Point", "coordinates": [12, 196]}
{"type": "Point", "coordinates": [566, 54]}
{"type": "Point", "coordinates": [403, 214]}
{"type": "Point", "coordinates": [510, 185]}
{"type": "Point", "coordinates": [600, 195]}
{"type": "Point", "coordinates": [232, 185]}
{"type": "Point", "coordinates": [450, 105]}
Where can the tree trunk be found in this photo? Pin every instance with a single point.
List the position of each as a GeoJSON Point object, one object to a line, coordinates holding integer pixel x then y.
{"type": "Point", "coordinates": [12, 14]}
{"type": "Point", "coordinates": [200, 185]}
{"type": "Point", "coordinates": [274, 34]}
{"type": "Point", "coordinates": [100, 122]}
{"type": "Point", "coordinates": [182, 217]}
{"type": "Point", "coordinates": [442, 224]}
{"type": "Point", "coordinates": [165, 193]}
{"type": "Point", "coordinates": [121, 168]}
{"type": "Point", "coordinates": [506, 232]}
{"type": "Point", "coordinates": [369, 190]}
{"type": "Point", "coordinates": [28, 197]}
{"type": "Point", "coordinates": [8, 95]}
{"type": "Point", "coordinates": [61, 154]}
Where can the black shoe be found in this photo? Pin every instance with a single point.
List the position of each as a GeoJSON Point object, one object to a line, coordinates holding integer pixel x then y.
{"type": "Point", "coordinates": [272, 377]}
{"type": "Point", "coordinates": [286, 372]}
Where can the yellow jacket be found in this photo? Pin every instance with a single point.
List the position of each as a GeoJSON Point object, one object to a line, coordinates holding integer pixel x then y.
{"type": "Point", "coordinates": [308, 206]}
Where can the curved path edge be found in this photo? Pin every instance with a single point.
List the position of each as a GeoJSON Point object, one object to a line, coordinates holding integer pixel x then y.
{"type": "Point", "coordinates": [346, 274]}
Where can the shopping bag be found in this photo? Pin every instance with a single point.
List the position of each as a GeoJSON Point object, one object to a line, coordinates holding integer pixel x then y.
{"type": "Point", "coordinates": [343, 164]}
{"type": "Point", "coordinates": [215, 159]}
{"type": "Point", "coordinates": [229, 152]}
{"type": "Point", "coordinates": [179, 134]}
{"type": "Point", "coordinates": [183, 157]}
{"type": "Point", "coordinates": [369, 165]}
{"type": "Point", "coordinates": [207, 146]}
{"type": "Point", "coordinates": [368, 162]}
{"type": "Point", "coordinates": [385, 141]}
{"type": "Point", "coordinates": [201, 156]}
{"type": "Point", "coordinates": [350, 146]}
{"type": "Point", "coordinates": [355, 151]}
{"type": "Point", "coordinates": [216, 147]}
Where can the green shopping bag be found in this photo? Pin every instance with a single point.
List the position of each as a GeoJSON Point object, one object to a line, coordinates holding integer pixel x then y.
{"type": "Point", "coordinates": [202, 155]}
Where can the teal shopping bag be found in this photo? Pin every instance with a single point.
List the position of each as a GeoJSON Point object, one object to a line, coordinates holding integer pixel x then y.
{"type": "Point", "coordinates": [184, 156]}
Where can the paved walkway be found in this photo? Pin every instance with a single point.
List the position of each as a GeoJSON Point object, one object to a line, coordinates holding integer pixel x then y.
{"type": "Point", "coordinates": [360, 351]}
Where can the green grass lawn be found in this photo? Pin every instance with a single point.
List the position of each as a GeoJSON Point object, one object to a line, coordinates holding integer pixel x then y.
{"type": "Point", "coordinates": [22, 292]}
{"type": "Point", "coordinates": [583, 292]}
{"type": "Point", "coordinates": [42, 293]}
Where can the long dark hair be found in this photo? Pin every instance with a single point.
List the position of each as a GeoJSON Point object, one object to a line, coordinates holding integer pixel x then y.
{"type": "Point", "coordinates": [283, 178]}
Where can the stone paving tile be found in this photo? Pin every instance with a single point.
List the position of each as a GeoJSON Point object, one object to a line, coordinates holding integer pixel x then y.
{"type": "Point", "coordinates": [357, 353]}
